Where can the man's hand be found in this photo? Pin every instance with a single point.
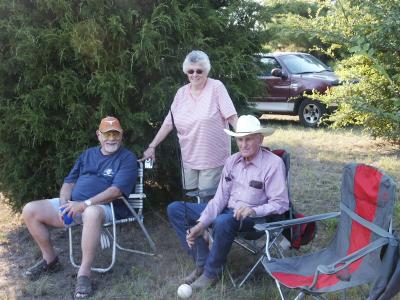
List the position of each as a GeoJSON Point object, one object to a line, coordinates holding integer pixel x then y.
{"type": "Point", "coordinates": [193, 233]}
{"type": "Point", "coordinates": [243, 212]}
{"type": "Point", "coordinates": [72, 208]}
{"type": "Point", "coordinates": [62, 202]}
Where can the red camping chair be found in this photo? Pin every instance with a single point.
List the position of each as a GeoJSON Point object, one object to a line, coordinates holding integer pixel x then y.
{"type": "Point", "coordinates": [354, 255]}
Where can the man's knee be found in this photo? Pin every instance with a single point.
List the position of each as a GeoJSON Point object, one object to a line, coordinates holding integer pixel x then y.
{"type": "Point", "coordinates": [93, 214]}
{"type": "Point", "coordinates": [30, 210]}
{"type": "Point", "coordinates": [174, 210]}
{"type": "Point", "coordinates": [225, 223]}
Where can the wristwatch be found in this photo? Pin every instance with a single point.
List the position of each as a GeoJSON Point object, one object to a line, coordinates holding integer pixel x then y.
{"type": "Point", "coordinates": [88, 202]}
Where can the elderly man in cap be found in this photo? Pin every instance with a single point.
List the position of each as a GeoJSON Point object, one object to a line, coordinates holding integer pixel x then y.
{"type": "Point", "coordinates": [100, 175]}
{"type": "Point", "coordinates": [252, 185]}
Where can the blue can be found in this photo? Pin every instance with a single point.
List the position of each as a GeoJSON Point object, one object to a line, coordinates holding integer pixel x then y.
{"type": "Point", "coordinates": [67, 219]}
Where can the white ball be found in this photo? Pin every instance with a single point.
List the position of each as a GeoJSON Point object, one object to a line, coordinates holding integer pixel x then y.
{"type": "Point", "coordinates": [184, 291]}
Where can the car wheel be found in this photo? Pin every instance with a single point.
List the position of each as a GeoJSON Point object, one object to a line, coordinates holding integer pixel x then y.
{"type": "Point", "coordinates": [311, 112]}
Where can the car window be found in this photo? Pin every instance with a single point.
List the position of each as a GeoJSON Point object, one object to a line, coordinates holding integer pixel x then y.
{"type": "Point", "coordinates": [302, 63]}
{"type": "Point", "coordinates": [267, 64]}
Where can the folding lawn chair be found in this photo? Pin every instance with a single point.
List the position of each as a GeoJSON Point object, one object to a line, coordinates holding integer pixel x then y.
{"type": "Point", "coordinates": [109, 236]}
{"type": "Point", "coordinates": [353, 257]}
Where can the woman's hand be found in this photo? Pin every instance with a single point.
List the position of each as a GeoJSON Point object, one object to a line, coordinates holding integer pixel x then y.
{"type": "Point", "coordinates": [149, 153]}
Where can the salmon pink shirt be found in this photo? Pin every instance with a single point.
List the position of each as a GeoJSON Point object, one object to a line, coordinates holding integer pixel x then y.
{"type": "Point", "coordinates": [200, 122]}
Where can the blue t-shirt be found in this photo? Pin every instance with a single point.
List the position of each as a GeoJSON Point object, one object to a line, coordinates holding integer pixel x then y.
{"type": "Point", "coordinates": [94, 172]}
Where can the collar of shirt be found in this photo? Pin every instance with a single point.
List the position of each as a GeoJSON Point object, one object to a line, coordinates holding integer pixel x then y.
{"type": "Point", "coordinates": [256, 161]}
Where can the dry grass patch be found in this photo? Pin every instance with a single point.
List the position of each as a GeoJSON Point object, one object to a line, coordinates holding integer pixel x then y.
{"type": "Point", "coordinates": [318, 157]}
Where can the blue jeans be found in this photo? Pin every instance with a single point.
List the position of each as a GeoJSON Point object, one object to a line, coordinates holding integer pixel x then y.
{"type": "Point", "coordinates": [183, 216]}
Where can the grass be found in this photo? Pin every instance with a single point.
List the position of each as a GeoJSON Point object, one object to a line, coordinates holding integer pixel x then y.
{"type": "Point", "coordinates": [317, 160]}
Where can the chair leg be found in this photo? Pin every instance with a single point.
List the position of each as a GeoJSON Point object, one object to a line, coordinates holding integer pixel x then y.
{"type": "Point", "coordinates": [272, 243]}
{"type": "Point", "coordinates": [281, 293]}
{"type": "Point", "coordinates": [251, 271]}
{"type": "Point", "coordinates": [363, 292]}
{"type": "Point", "coordinates": [71, 250]}
{"type": "Point", "coordinates": [344, 295]}
{"type": "Point", "coordinates": [231, 278]}
{"type": "Point", "coordinates": [139, 220]}
{"type": "Point", "coordinates": [95, 269]}
{"type": "Point", "coordinates": [299, 296]}
{"type": "Point", "coordinates": [113, 255]}
{"type": "Point", "coordinates": [114, 250]}
{"type": "Point", "coordinates": [127, 249]}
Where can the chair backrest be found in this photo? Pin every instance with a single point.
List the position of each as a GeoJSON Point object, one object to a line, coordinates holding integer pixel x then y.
{"type": "Point", "coordinates": [136, 199]}
{"type": "Point", "coordinates": [370, 194]}
{"type": "Point", "coordinates": [300, 234]}
{"type": "Point", "coordinates": [282, 153]}
{"type": "Point", "coordinates": [139, 180]}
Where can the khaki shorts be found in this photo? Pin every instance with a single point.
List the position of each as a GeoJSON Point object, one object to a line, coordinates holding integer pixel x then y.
{"type": "Point", "coordinates": [201, 179]}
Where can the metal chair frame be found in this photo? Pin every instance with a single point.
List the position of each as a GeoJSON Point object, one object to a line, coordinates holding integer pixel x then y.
{"type": "Point", "coordinates": [135, 205]}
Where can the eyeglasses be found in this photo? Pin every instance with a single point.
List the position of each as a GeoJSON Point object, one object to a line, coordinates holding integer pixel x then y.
{"type": "Point", "coordinates": [111, 134]}
{"type": "Point", "coordinates": [198, 71]}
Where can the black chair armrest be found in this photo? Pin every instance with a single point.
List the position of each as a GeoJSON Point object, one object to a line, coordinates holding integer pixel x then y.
{"type": "Point", "coordinates": [203, 196]}
{"type": "Point", "coordinates": [298, 221]}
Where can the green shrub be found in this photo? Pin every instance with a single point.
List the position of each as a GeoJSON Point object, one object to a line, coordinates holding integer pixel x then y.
{"type": "Point", "coordinates": [65, 64]}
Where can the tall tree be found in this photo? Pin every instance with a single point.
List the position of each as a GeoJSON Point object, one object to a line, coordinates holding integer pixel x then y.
{"type": "Point", "coordinates": [65, 64]}
{"type": "Point", "coordinates": [283, 36]}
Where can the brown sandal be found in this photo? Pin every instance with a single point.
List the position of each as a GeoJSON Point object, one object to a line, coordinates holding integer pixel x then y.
{"type": "Point", "coordinates": [83, 287]}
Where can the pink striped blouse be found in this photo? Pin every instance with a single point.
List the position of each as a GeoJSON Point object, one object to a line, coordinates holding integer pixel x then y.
{"type": "Point", "coordinates": [200, 122]}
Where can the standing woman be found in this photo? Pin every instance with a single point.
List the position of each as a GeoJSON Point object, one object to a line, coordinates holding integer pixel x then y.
{"type": "Point", "coordinates": [201, 110]}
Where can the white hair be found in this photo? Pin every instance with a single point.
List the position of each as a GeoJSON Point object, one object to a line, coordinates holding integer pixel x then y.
{"type": "Point", "coordinates": [196, 57]}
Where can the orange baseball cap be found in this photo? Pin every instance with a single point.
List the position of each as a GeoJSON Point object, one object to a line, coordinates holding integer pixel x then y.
{"type": "Point", "coordinates": [109, 124]}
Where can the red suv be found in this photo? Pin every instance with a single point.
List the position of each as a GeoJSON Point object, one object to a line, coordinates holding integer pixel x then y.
{"type": "Point", "coordinates": [289, 77]}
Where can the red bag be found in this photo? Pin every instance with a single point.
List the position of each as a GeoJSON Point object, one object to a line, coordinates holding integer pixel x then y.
{"type": "Point", "coordinates": [301, 234]}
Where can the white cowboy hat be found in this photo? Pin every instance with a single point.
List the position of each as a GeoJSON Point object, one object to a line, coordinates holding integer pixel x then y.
{"type": "Point", "coordinates": [247, 125]}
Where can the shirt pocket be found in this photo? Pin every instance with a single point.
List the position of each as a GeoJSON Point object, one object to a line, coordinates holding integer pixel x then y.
{"type": "Point", "coordinates": [255, 191]}
{"type": "Point", "coordinates": [228, 183]}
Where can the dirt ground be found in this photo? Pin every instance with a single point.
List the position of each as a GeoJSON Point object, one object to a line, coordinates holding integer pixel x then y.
{"type": "Point", "coordinates": [317, 159]}
{"type": "Point", "coordinates": [133, 276]}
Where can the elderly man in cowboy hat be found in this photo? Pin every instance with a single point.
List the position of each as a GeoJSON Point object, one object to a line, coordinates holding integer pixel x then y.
{"type": "Point", "coordinates": [252, 185]}
{"type": "Point", "coordinates": [100, 175]}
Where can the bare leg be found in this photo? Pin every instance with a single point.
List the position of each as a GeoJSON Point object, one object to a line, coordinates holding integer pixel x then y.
{"type": "Point", "coordinates": [37, 216]}
{"type": "Point", "coordinates": [92, 218]}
